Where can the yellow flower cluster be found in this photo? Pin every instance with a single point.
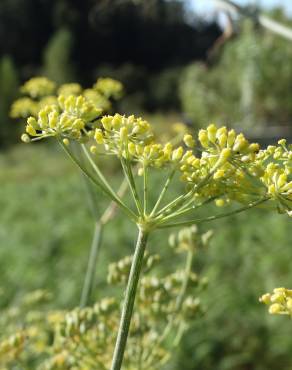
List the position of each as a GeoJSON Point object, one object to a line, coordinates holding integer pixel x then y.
{"type": "Point", "coordinates": [12, 346]}
{"type": "Point", "coordinates": [66, 120]}
{"type": "Point", "coordinates": [189, 239]}
{"type": "Point", "coordinates": [117, 134]}
{"type": "Point", "coordinates": [70, 89]}
{"type": "Point", "coordinates": [41, 93]}
{"type": "Point", "coordinates": [280, 301]}
{"type": "Point", "coordinates": [97, 99]}
{"type": "Point", "coordinates": [92, 330]}
{"type": "Point", "coordinates": [214, 140]}
{"type": "Point", "coordinates": [82, 339]}
{"type": "Point", "coordinates": [118, 272]}
{"type": "Point", "coordinates": [222, 166]}
{"type": "Point", "coordinates": [217, 164]}
{"type": "Point", "coordinates": [38, 87]}
{"type": "Point", "coordinates": [78, 107]}
{"type": "Point", "coordinates": [276, 178]}
{"type": "Point", "coordinates": [221, 148]}
{"type": "Point", "coordinates": [23, 108]}
{"type": "Point", "coordinates": [277, 174]}
{"type": "Point", "coordinates": [109, 88]}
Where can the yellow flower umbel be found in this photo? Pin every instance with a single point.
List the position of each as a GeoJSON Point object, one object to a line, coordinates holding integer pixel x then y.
{"type": "Point", "coordinates": [118, 133]}
{"type": "Point", "coordinates": [70, 89]}
{"type": "Point", "coordinates": [41, 93]}
{"type": "Point", "coordinates": [277, 174]}
{"type": "Point", "coordinates": [23, 108]}
{"type": "Point", "coordinates": [38, 87]}
{"type": "Point", "coordinates": [97, 99]}
{"type": "Point", "coordinates": [66, 120]}
{"type": "Point", "coordinates": [280, 301]}
{"type": "Point", "coordinates": [276, 178]}
{"type": "Point", "coordinates": [109, 88]}
{"type": "Point", "coordinates": [224, 165]}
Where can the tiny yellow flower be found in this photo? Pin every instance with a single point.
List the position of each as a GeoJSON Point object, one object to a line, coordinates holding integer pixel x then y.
{"type": "Point", "coordinates": [189, 140]}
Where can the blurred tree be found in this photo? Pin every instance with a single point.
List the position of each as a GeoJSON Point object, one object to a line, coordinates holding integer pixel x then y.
{"type": "Point", "coordinates": [25, 27]}
{"type": "Point", "coordinates": [57, 57]}
{"type": "Point", "coordinates": [149, 35]}
{"type": "Point", "coordinates": [8, 91]}
{"type": "Point", "coordinates": [249, 85]}
{"type": "Point", "coordinates": [153, 33]}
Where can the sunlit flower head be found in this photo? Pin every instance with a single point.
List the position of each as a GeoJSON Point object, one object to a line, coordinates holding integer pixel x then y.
{"type": "Point", "coordinates": [38, 87]}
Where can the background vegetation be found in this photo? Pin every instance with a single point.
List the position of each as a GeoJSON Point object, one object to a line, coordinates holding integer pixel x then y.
{"type": "Point", "coordinates": [164, 58]}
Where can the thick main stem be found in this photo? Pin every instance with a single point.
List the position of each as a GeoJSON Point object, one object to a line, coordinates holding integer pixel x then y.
{"type": "Point", "coordinates": [91, 267]}
{"type": "Point", "coordinates": [129, 300]}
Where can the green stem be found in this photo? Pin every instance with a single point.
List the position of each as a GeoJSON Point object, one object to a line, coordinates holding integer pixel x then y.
{"type": "Point", "coordinates": [132, 185]}
{"type": "Point", "coordinates": [132, 180]}
{"type": "Point", "coordinates": [113, 196]}
{"type": "Point", "coordinates": [188, 270]}
{"type": "Point", "coordinates": [170, 206]}
{"type": "Point", "coordinates": [91, 267]}
{"type": "Point", "coordinates": [91, 196]}
{"type": "Point", "coordinates": [211, 218]}
{"type": "Point", "coordinates": [179, 201]}
{"type": "Point", "coordinates": [180, 332]}
{"type": "Point", "coordinates": [129, 300]}
{"type": "Point", "coordinates": [145, 187]}
{"type": "Point", "coordinates": [164, 190]}
{"type": "Point", "coordinates": [96, 243]}
{"type": "Point", "coordinates": [112, 208]}
{"type": "Point", "coordinates": [97, 170]}
{"type": "Point", "coordinates": [186, 209]}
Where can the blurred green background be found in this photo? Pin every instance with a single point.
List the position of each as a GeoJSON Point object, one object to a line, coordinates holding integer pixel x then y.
{"type": "Point", "coordinates": [179, 66]}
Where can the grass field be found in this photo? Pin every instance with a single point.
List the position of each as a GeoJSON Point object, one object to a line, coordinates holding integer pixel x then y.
{"type": "Point", "coordinates": [45, 233]}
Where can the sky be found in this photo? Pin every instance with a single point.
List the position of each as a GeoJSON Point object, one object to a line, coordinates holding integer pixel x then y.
{"type": "Point", "coordinates": [203, 6]}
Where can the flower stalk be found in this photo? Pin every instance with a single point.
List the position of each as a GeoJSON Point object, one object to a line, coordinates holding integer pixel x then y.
{"type": "Point", "coordinates": [100, 224]}
{"type": "Point", "coordinates": [129, 300]}
{"type": "Point", "coordinates": [91, 267]}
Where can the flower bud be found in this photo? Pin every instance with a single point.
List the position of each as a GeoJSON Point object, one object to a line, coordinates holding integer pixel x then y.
{"type": "Point", "coordinates": [203, 138]}
{"type": "Point", "coordinates": [289, 304]}
{"type": "Point", "coordinates": [254, 147]}
{"type": "Point", "coordinates": [275, 308]}
{"type": "Point", "coordinates": [266, 298]}
{"type": "Point", "coordinates": [123, 133]}
{"type": "Point", "coordinates": [132, 148]}
{"type": "Point", "coordinates": [30, 130]}
{"type": "Point", "coordinates": [117, 121]}
{"type": "Point", "coordinates": [93, 149]}
{"type": "Point", "coordinates": [282, 180]}
{"type": "Point", "coordinates": [177, 154]}
{"type": "Point", "coordinates": [107, 122]}
{"type": "Point", "coordinates": [240, 143]}
{"type": "Point", "coordinates": [98, 136]}
{"type": "Point", "coordinates": [211, 132]}
{"type": "Point", "coordinates": [282, 142]}
{"type": "Point", "coordinates": [224, 156]}
{"type": "Point", "coordinates": [231, 138]}
{"type": "Point", "coordinates": [218, 174]}
{"type": "Point", "coordinates": [220, 202]}
{"type": "Point", "coordinates": [25, 138]}
{"type": "Point", "coordinates": [189, 140]}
